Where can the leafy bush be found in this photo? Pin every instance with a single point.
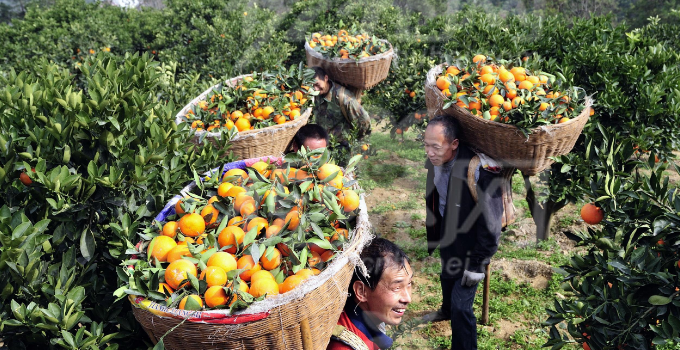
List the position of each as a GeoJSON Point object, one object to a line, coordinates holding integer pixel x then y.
{"type": "Point", "coordinates": [623, 290]}
{"type": "Point", "coordinates": [101, 161]}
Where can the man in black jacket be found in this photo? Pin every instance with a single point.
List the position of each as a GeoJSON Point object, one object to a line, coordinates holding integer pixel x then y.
{"type": "Point", "coordinates": [466, 232]}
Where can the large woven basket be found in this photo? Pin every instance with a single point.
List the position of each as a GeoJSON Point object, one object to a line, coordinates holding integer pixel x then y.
{"type": "Point", "coordinates": [504, 142]}
{"type": "Point", "coordinates": [303, 320]}
{"type": "Point", "coordinates": [250, 143]}
{"type": "Point", "coordinates": [364, 73]}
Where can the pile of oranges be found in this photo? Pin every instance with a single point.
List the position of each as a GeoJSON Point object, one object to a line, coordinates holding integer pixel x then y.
{"type": "Point", "coordinates": [346, 45]}
{"type": "Point", "coordinates": [258, 101]}
{"type": "Point", "coordinates": [249, 234]}
{"type": "Point", "coordinates": [512, 95]}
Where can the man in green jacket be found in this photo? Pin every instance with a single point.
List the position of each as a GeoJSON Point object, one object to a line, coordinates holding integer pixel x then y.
{"type": "Point", "coordinates": [339, 111]}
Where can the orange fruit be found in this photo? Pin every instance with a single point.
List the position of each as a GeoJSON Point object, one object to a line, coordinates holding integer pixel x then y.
{"type": "Point", "coordinates": [210, 214]}
{"type": "Point", "coordinates": [488, 78]}
{"type": "Point", "coordinates": [236, 221]}
{"type": "Point", "coordinates": [507, 105]}
{"type": "Point", "coordinates": [178, 207]}
{"type": "Point", "coordinates": [246, 262]}
{"type": "Point", "coordinates": [178, 252]}
{"type": "Point", "coordinates": [453, 70]}
{"type": "Point", "coordinates": [214, 276]}
{"type": "Point", "coordinates": [511, 93]}
{"type": "Point", "coordinates": [506, 76]}
{"type": "Point", "coordinates": [279, 119]}
{"type": "Point", "coordinates": [229, 236]}
{"type": "Point", "coordinates": [183, 303]}
{"type": "Point", "coordinates": [496, 100]}
{"type": "Point", "coordinates": [272, 230]}
{"type": "Point", "coordinates": [278, 222]}
{"type": "Point", "coordinates": [170, 229]}
{"type": "Point", "coordinates": [215, 296]}
{"type": "Point", "coordinates": [305, 273]}
{"type": "Point", "coordinates": [290, 283]}
{"type": "Point", "coordinates": [327, 170]}
{"type": "Point", "coordinates": [264, 286]}
{"type": "Point", "coordinates": [213, 199]}
{"type": "Point", "coordinates": [479, 59]}
{"type": "Point", "coordinates": [241, 199]}
{"type": "Point", "coordinates": [237, 176]}
{"type": "Point", "coordinates": [267, 111]}
{"type": "Point", "coordinates": [275, 261]}
{"type": "Point", "coordinates": [564, 120]}
{"type": "Point", "coordinates": [186, 240]}
{"type": "Point", "coordinates": [178, 271]}
{"type": "Point", "coordinates": [192, 225]}
{"type": "Point", "coordinates": [314, 259]}
{"type": "Point", "coordinates": [165, 288]}
{"type": "Point", "coordinates": [349, 200]}
{"type": "Point", "coordinates": [223, 189]}
{"type": "Point", "coordinates": [338, 232]}
{"type": "Point", "coordinates": [25, 179]}
{"type": "Point", "coordinates": [294, 217]}
{"type": "Point", "coordinates": [262, 168]}
{"type": "Point", "coordinates": [235, 115]}
{"type": "Point", "coordinates": [526, 85]}
{"type": "Point", "coordinates": [592, 214]}
{"type": "Point", "coordinates": [543, 106]}
{"type": "Point", "coordinates": [248, 208]}
{"type": "Point", "coordinates": [235, 190]}
{"type": "Point", "coordinates": [261, 274]}
{"type": "Point", "coordinates": [517, 101]}
{"type": "Point", "coordinates": [260, 223]}
{"type": "Point", "coordinates": [279, 174]}
{"type": "Point", "coordinates": [533, 79]}
{"type": "Point", "coordinates": [224, 260]}
{"type": "Point", "coordinates": [327, 255]}
{"type": "Point", "coordinates": [161, 246]}
{"type": "Point", "coordinates": [443, 83]}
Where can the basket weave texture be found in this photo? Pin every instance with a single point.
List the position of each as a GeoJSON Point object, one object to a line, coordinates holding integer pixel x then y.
{"type": "Point", "coordinates": [364, 73]}
{"type": "Point", "coordinates": [319, 306]}
{"type": "Point", "coordinates": [271, 140]}
{"type": "Point", "coordinates": [504, 142]}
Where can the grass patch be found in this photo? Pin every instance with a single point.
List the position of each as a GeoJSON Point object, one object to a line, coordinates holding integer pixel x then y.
{"type": "Point", "coordinates": [537, 251]}
{"type": "Point", "coordinates": [404, 205]}
{"type": "Point", "coordinates": [382, 174]}
{"type": "Point", "coordinates": [407, 149]}
{"type": "Point", "coordinates": [518, 184]}
{"type": "Point", "coordinates": [523, 207]}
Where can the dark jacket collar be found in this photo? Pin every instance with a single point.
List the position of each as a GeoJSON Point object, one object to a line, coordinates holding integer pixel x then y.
{"type": "Point", "coordinates": [364, 324]}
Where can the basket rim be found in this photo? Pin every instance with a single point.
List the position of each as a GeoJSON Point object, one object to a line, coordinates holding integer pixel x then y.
{"type": "Point", "coordinates": [381, 56]}
{"type": "Point", "coordinates": [510, 127]}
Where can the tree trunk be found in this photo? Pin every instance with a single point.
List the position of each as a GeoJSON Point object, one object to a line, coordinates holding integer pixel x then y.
{"type": "Point", "coordinates": [541, 212]}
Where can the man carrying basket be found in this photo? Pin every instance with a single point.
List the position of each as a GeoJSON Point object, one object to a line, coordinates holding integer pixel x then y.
{"type": "Point", "coordinates": [465, 229]}
{"type": "Point", "coordinates": [381, 298]}
{"type": "Point", "coordinates": [339, 111]}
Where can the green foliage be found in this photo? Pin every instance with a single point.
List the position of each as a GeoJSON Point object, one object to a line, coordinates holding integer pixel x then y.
{"type": "Point", "coordinates": [624, 289]}
{"type": "Point", "coordinates": [106, 158]}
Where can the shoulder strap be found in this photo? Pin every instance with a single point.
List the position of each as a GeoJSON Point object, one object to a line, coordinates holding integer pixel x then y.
{"type": "Point", "coordinates": [472, 183]}
{"type": "Point", "coordinates": [348, 338]}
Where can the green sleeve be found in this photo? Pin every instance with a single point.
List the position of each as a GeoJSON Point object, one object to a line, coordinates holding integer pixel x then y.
{"type": "Point", "coordinates": [359, 117]}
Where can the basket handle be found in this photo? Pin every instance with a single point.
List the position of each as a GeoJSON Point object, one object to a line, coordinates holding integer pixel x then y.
{"type": "Point", "coordinates": [307, 343]}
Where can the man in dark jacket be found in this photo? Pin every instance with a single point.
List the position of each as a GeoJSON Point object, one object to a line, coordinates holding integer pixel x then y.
{"type": "Point", "coordinates": [466, 232]}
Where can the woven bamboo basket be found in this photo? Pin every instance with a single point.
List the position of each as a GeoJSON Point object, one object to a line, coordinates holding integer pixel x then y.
{"type": "Point", "coordinates": [504, 142]}
{"type": "Point", "coordinates": [300, 319]}
{"type": "Point", "coordinates": [250, 143]}
{"type": "Point", "coordinates": [363, 74]}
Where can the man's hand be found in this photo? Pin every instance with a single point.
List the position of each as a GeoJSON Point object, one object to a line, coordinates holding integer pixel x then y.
{"type": "Point", "coordinates": [471, 278]}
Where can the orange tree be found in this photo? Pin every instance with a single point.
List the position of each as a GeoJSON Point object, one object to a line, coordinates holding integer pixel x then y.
{"type": "Point", "coordinates": [623, 292]}
{"type": "Point", "coordinates": [80, 169]}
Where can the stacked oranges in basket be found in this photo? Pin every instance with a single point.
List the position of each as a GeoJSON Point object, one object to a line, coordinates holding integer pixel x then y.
{"type": "Point", "coordinates": [247, 235]}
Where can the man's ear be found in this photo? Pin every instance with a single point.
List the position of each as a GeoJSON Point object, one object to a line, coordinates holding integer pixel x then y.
{"type": "Point", "coordinates": [360, 290]}
{"type": "Point", "coordinates": [454, 144]}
